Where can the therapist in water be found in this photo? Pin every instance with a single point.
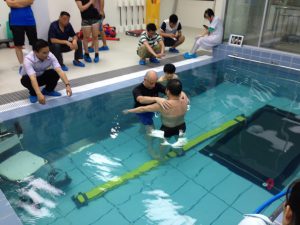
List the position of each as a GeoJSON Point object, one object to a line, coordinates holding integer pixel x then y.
{"type": "Point", "coordinates": [213, 35]}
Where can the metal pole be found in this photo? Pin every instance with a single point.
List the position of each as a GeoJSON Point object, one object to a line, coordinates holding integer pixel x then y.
{"type": "Point", "coordinates": [263, 23]}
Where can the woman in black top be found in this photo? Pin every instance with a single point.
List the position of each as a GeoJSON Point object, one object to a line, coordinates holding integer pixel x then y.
{"type": "Point", "coordinates": [90, 25]}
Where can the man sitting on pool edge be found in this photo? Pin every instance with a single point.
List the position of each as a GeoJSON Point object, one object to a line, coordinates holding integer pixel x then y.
{"type": "Point", "coordinates": [173, 123]}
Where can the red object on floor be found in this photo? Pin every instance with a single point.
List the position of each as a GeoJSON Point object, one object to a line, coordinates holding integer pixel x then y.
{"type": "Point", "coordinates": [270, 183]}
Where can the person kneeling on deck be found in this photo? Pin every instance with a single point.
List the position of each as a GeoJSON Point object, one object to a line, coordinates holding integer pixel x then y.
{"type": "Point", "coordinates": [42, 68]}
{"type": "Point", "coordinates": [62, 38]}
{"type": "Point", "coordinates": [172, 118]}
{"type": "Point", "coordinates": [150, 45]}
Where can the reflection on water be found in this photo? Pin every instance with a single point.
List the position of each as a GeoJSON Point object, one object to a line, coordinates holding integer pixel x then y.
{"type": "Point", "coordinates": [103, 165]}
{"type": "Point", "coordinates": [163, 211]}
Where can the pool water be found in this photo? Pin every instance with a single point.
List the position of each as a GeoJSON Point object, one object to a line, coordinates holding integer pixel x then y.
{"type": "Point", "coordinates": [93, 142]}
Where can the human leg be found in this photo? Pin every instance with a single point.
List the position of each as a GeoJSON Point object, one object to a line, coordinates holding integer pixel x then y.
{"type": "Point", "coordinates": [19, 40]}
{"type": "Point", "coordinates": [95, 30]}
{"type": "Point", "coordinates": [49, 78]}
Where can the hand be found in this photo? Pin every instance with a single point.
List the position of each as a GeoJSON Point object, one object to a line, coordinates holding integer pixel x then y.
{"type": "Point", "coordinates": [41, 99]}
{"type": "Point", "coordinates": [68, 90]}
{"type": "Point", "coordinates": [102, 14]}
{"type": "Point", "coordinates": [173, 36]}
{"type": "Point", "coordinates": [74, 43]}
{"type": "Point", "coordinates": [163, 103]}
{"type": "Point", "coordinates": [160, 55]}
{"type": "Point", "coordinates": [125, 111]}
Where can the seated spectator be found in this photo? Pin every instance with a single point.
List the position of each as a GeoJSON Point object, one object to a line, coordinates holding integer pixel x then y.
{"type": "Point", "coordinates": [169, 70]}
{"type": "Point", "coordinates": [212, 37]}
{"type": "Point", "coordinates": [62, 38]}
{"type": "Point", "coordinates": [170, 31]}
{"type": "Point", "coordinates": [291, 211]}
{"type": "Point", "coordinates": [42, 68]}
{"type": "Point", "coordinates": [150, 45]}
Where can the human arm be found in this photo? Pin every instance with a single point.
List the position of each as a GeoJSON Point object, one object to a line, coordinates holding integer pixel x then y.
{"type": "Point", "coordinates": [162, 49]}
{"type": "Point", "coordinates": [148, 100]}
{"type": "Point", "coordinates": [148, 108]}
{"type": "Point", "coordinates": [64, 78]}
{"type": "Point", "coordinates": [163, 31]}
{"type": "Point", "coordinates": [81, 7]}
{"type": "Point", "coordinates": [101, 8]}
{"type": "Point", "coordinates": [19, 3]}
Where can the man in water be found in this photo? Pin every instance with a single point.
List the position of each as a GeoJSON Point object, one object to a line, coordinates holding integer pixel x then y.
{"type": "Point", "coordinates": [172, 118]}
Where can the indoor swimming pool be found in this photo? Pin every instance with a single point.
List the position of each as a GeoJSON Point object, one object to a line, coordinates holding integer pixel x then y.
{"type": "Point", "coordinates": [87, 143]}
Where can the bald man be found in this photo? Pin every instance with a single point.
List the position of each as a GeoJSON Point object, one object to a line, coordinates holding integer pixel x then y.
{"type": "Point", "coordinates": [146, 93]}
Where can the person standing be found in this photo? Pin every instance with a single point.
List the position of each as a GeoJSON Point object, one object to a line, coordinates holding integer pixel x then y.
{"type": "Point", "coordinates": [90, 25]}
{"type": "Point", "coordinates": [42, 68]}
{"type": "Point", "coordinates": [21, 22]}
{"type": "Point", "coordinates": [62, 38]}
{"type": "Point", "coordinates": [99, 5]}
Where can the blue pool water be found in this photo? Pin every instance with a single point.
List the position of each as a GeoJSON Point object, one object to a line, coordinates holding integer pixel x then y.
{"type": "Point", "coordinates": [93, 142]}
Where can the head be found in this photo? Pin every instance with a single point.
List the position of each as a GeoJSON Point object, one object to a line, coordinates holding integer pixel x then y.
{"type": "Point", "coordinates": [291, 213]}
{"type": "Point", "coordinates": [151, 29]}
{"type": "Point", "coordinates": [174, 87]}
{"type": "Point", "coordinates": [209, 15]}
{"type": "Point", "coordinates": [173, 19]}
{"type": "Point", "coordinates": [169, 68]}
{"type": "Point", "coordinates": [41, 49]}
{"type": "Point", "coordinates": [64, 18]}
{"type": "Point", "coordinates": [150, 79]}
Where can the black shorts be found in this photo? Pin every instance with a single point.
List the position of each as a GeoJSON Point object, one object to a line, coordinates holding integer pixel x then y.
{"type": "Point", "coordinates": [172, 131]}
{"type": "Point", "coordinates": [169, 42]}
{"type": "Point", "coordinates": [19, 34]}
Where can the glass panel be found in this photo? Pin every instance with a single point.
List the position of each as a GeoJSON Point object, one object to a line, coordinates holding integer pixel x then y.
{"type": "Point", "coordinates": [282, 26]}
{"type": "Point", "coordinates": [244, 17]}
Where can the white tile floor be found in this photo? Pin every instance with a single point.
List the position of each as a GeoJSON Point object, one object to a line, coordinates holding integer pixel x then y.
{"type": "Point", "coordinates": [121, 54]}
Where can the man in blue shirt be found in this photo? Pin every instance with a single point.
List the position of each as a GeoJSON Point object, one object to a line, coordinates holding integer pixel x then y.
{"type": "Point", "coordinates": [62, 38]}
{"type": "Point", "coordinates": [21, 21]}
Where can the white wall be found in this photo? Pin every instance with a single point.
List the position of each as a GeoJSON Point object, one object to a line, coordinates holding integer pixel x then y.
{"type": "Point", "coordinates": [190, 12]}
{"type": "Point", "coordinates": [4, 10]}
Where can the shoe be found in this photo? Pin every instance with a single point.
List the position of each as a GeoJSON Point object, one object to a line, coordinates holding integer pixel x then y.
{"type": "Point", "coordinates": [142, 62]}
{"type": "Point", "coordinates": [50, 93]}
{"type": "Point", "coordinates": [64, 68]}
{"type": "Point", "coordinates": [87, 58]}
{"type": "Point", "coordinates": [96, 59]}
{"type": "Point", "coordinates": [91, 49]}
{"type": "Point", "coordinates": [104, 48]}
{"type": "Point", "coordinates": [189, 56]}
{"type": "Point", "coordinates": [78, 63]}
{"type": "Point", "coordinates": [173, 50]}
{"type": "Point", "coordinates": [154, 60]}
{"type": "Point", "coordinates": [20, 70]}
{"type": "Point", "coordinates": [33, 99]}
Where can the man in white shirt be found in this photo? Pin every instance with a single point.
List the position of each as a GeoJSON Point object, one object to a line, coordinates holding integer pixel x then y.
{"type": "Point", "coordinates": [170, 30]}
{"type": "Point", "coordinates": [213, 36]}
{"type": "Point", "coordinates": [42, 68]}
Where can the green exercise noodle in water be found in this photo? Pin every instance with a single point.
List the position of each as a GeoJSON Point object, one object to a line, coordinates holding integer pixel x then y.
{"type": "Point", "coordinates": [82, 199]}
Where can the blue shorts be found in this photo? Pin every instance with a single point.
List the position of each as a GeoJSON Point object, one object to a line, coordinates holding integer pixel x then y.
{"type": "Point", "coordinates": [146, 118]}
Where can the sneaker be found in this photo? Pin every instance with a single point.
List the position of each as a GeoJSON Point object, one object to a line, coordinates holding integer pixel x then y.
{"type": "Point", "coordinates": [78, 63]}
{"type": "Point", "coordinates": [87, 58]}
{"type": "Point", "coordinates": [33, 99]}
{"type": "Point", "coordinates": [50, 93]}
{"type": "Point", "coordinates": [173, 50]}
{"type": "Point", "coordinates": [64, 68]}
{"type": "Point", "coordinates": [104, 48]}
{"type": "Point", "coordinates": [189, 56]}
{"type": "Point", "coordinates": [154, 60]}
{"type": "Point", "coordinates": [20, 70]}
{"type": "Point", "coordinates": [96, 59]}
{"type": "Point", "coordinates": [142, 62]}
{"type": "Point", "coordinates": [91, 49]}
